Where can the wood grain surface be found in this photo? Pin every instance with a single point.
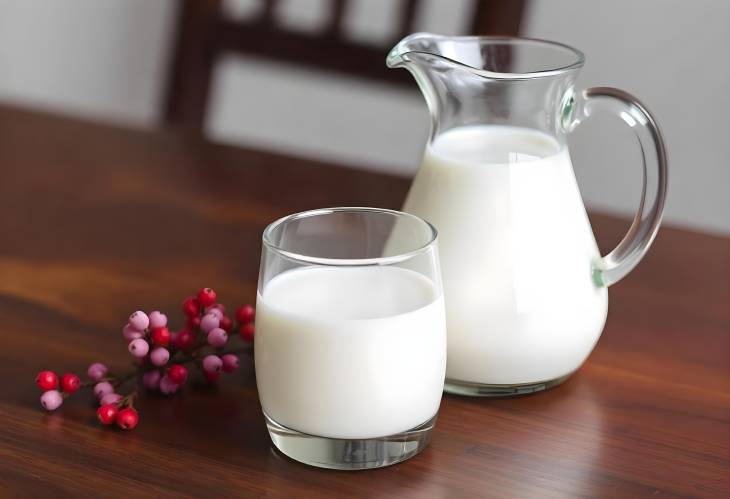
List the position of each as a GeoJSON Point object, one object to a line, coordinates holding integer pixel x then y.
{"type": "Point", "coordinates": [97, 221]}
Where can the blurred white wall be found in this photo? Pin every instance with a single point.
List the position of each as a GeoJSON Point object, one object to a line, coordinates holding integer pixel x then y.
{"type": "Point", "coordinates": [101, 59]}
{"type": "Point", "coordinates": [107, 59]}
{"type": "Point", "coordinates": [673, 55]}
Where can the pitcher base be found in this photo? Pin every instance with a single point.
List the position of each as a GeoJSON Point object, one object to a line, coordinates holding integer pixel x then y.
{"type": "Point", "coordinates": [457, 387]}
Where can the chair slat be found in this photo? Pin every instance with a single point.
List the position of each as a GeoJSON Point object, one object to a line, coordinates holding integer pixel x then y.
{"type": "Point", "coordinates": [203, 35]}
{"type": "Point", "coordinates": [407, 17]}
{"type": "Point", "coordinates": [334, 25]}
{"type": "Point", "coordinates": [267, 12]}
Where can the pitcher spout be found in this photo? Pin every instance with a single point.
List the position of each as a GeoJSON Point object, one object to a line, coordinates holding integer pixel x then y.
{"type": "Point", "coordinates": [488, 79]}
{"type": "Point", "coordinates": [491, 56]}
{"type": "Point", "coordinates": [416, 43]}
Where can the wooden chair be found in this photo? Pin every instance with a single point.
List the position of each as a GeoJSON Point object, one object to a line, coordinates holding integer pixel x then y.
{"type": "Point", "coordinates": [204, 33]}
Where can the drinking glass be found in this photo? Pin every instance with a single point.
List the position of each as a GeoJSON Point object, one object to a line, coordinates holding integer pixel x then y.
{"type": "Point", "coordinates": [350, 343]}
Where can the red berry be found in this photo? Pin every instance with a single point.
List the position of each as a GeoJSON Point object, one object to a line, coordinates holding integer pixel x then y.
{"type": "Point", "coordinates": [230, 363]}
{"type": "Point", "coordinates": [225, 324]}
{"type": "Point", "coordinates": [193, 322]}
{"type": "Point", "coordinates": [161, 336]}
{"type": "Point", "coordinates": [206, 297]}
{"type": "Point", "coordinates": [177, 374]}
{"type": "Point", "coordinates": [127, 418]}
{"type": "Point", "coordinates": [191, 307]}
{"type": "Point", "coordinates": [70, 383]}
{"type": "Point", "coordinates": [107, 413]}
{"type": "Point", "coordinates": [247, 332]}
{"type": "Point", "coordinates": [212, 376]}
{"type": "Point", "coordinates": [185, 340]}
{"type": "Point", "coordinates": [47, 380]}
{"type": "Point", "coordinates": [245, 314]}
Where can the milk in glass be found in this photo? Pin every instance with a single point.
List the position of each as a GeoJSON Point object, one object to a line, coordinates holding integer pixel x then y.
{"type": "Point", "coordinates": [350, 352]}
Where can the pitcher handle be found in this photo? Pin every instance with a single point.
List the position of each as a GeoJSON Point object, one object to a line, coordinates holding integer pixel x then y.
{"type": "Point", "coordinates": [614, 266]}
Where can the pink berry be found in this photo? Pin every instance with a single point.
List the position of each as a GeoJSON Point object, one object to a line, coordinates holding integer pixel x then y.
{"type": "Point", "coordinates": [247, 332]}
{"type": "Point", "coordinates": [47, 380]}
{"type": "Point", "coordinates": [110, 398]}
{"type": "Point", "coordinates": [230, 362]}
{"type": "Point", "coordinates": [191, 307]}
{"type": "Point", "coordinates": [107, 414]}
{"type": "Point", "coordinates": [130, 333]}
{"type": "Point", "coordinates": [51, 400]}
{"type": "Point", "coordinates": [96, 371]}
{"type": "Point", "coordinates": [184, 340]}
{"type": "Point", "coordinates": [157, 319]}
{"type": "Point", "coordinates": [218, 306]}
{"type": "Point", "coordinates": [167, 386]}
{"type": "Point", "coordinates": [212, 364]}
{"type": "Point", "coordinates": [245, 314]}
{"type": "Point", "coordinates": [217, 338]}
{"type": "Point", "coordinates": [70, 383]}
{"type": "Point", "coordinates": [159, 356]}
{"type": "Point", "coordinates": [178, 374]}
{"type": "Point", "coordinates": [103, 388]}
{"type": "Point", "coordinates": [138, 348]}
{"type": "Point", "coordinates": [127, 418]}
{"type": "Point", "coordinates": [215, 311]}
{"type": "Point", "coordinates": [206, 297]}
{"type": "Point", "coordinates": [139, 320]}
{"type": "Point", "coordinates": [151, 379]}
{"type": "Point", "coordinates": [209, 322]}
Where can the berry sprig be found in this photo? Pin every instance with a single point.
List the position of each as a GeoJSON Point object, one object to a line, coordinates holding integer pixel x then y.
{"type": "Point", "coordinates": [160, 358]}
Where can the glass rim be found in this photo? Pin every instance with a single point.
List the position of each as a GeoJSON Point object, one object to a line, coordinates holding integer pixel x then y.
{"type": "Point", "coordinates": [401, 50]}
{"type": "Point", "coordinates": [347, 262]}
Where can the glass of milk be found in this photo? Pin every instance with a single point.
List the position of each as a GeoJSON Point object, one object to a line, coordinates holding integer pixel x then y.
{"type": "Point", "coordinates": [350, 341]}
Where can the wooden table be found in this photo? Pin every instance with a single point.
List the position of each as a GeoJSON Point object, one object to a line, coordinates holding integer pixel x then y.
{"type": "Point", "coordinates": [99, 221]}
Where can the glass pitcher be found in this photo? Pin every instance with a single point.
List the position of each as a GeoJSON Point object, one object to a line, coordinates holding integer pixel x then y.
{"type": "Point", "coordinates": [525, 286]}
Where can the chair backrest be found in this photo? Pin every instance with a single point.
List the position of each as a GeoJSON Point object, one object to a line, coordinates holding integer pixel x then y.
{"type": "Point", "coordinates": [204, 32]}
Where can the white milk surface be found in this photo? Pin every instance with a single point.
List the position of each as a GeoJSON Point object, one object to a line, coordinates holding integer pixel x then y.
{"type": "Point", "coordinates": [357, 352]}
{"type": "Point", "coordinates": [516, 252]}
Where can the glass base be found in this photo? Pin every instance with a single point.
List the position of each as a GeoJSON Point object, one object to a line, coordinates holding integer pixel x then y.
{"type": "Point", "coordinates": [487, 390]}
{"type": "Point", "coordinates": [347, 454]}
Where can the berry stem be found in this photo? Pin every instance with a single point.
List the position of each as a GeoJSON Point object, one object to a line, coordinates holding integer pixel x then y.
{"type": "Point", "coordinates": [92, 383]}
{"type": "Point", "coordinates": [159, 358]}
{"type": "Point", "coordinates": [195, 356]}
{"type": "Point", "coordinates": [128, 376]}
{"type": "Point", "coordinates": [137, 373]}
{"type": "Point", "coordinates": [128, 400]}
